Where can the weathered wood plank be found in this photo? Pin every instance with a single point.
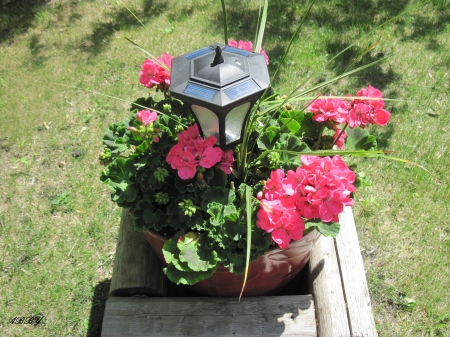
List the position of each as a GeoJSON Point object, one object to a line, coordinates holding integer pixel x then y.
{"type": "Point", "coordinates": [202, 316]}
{"type": "Point", "coordinates": [353, 276]}
{"type": "Point", "coordinates": [326, 286]}
{"type": "Point", "coordinates": [137, 269]}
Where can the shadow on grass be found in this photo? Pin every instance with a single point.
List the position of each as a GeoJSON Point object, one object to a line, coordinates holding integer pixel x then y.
{"type": "Point", "coordinates": [102, 32]}
{"type": "Point", "coordinates": [337, 17]}
{"type": "Point", "coordinates": [16, 16]}
{"type": "Point", "coordinates": [101, 294]}
{"type": "Point", "coordinates": [429, 22]}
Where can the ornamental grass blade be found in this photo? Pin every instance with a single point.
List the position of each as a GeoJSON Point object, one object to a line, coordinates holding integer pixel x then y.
{"type": "Point", "coordinates": [149, 54]}
{"type": "Point", "coordinates": [120, 99]}
{"type": "Point", "coordinates": [291, 41]}
{"type": "Point", "coordinates": [225, 21]}
{"type": "Point", "coordinates": [261, 27]}
{"type": "Point", "coordinates": [248, 202]}
{"type": "Point", "coordinates": [131, 12]}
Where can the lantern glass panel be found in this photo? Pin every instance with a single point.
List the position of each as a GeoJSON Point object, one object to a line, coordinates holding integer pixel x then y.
{"type": "Point", "coordinates": [234, 121]}
{"type": "Point", "coordinates": [209, 122]}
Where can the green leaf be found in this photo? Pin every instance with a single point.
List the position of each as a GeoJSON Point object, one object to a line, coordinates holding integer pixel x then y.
{"type": "Point", "coordinates": [220, 178]}
{"type": "Point", "coordinates": [310, 128]}
{"type": "Point", "coordinates": [220, 195]}
{"type": "Point", "coordinates": [185, 185]}
{"type": "Point", "coordinates": [183, 254]}
{"type": "Point", "coordinates": [360, 139]}
{"type": "Point", "coordinates": [325, 228]}
{"type": "Point", "coordinates": [114, 136]}
{"type": "Point", "coordinates": [221, 213]}
{"type": "Point", "coordinates": [191, 252]}
{"type": "Point", "coordinates": [177, 218]}
{"type": "Point", "coordinates": [171, 254]}
{"type": "Point", "coordinates": [296, 145]}
{"type": "Point", "coordinates": [118, 176]}
{"type": "Point", "coordinates": [293, 120]}
{"type": "Point", "coordinates": [268, 139]}
{"type": "Point", "coordinates": [185, 277]}
{"type": "Point", "coordinates": [147, 217]}
{"type": "Point", "coordinates": [291, 124]}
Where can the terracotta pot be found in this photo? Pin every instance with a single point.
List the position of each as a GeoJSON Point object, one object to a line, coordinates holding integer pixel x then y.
{"type": "Point", "coordinates": [267, 274]}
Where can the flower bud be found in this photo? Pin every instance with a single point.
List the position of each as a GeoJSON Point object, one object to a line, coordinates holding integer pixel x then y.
{"type": "Point", "coordinates": [259, 195]}
{"type": "Point", "coordinates": [132, 129]}
{"type": "Point", "coordinates": [155, 139]}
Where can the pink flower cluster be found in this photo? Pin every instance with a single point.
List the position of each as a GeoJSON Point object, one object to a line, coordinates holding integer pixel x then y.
{"type": "Point", "coordinates": [247, 45]}
{"type": "Point", "coordinates": [193, 151]}
{"type": "Point", "coordinates": [357, 112]}
{"type": "Point", "coordinates": [320, 188]}
{"type": "Point", "coordinates": [153, 74]}
{"type": "Point", "coordinates": [146, 116]}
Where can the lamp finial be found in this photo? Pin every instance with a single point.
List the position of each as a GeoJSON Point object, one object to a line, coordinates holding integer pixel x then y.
{"type": "Point", "coordinates": [218, 58]}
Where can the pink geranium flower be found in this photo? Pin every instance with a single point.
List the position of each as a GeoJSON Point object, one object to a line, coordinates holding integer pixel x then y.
{"type": "Point", "coordinates": [183, 161]}
{"type": "Point", "coordinates": [146, 116]}
{"type": "Point", "coordinates": [247, 45]}
{"type": "Point", "coordinates": [153, 74]}
{"type": "Point", "coordinates": [332, 109]}
{"type": "Point", "coordinates": [368, 111]}
{"type": "Point", "coordinates": [192, 151]}
{"type": "Point", "coordinates": [226, 162]}
{"type": "Point", "coordinates": [210, 157]}
{"type": "Point", "coordinates": [320, 188]}
{"type": "Point", "coordinates": [285, 223]}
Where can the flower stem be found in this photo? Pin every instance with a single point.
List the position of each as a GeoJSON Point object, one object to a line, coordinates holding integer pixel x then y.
{"type": "Point", "coordinates": [316, 145]}
{"type": "Point", "coordinates": [340, 134]}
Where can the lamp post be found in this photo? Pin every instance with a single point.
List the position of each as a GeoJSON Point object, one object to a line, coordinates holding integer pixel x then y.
{"type": "Point", "coordinates": [220, 83]}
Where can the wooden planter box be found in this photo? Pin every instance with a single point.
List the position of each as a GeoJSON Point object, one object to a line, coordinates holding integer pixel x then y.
{"type": "Point", "coordinates": [329, 298]}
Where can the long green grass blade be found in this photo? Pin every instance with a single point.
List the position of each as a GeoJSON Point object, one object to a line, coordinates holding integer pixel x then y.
{"type": "Point", "coordinates": [356, 153]}
{"type": "Point", "coordinates": [225, 21]}
{"type": "Point", "coordinates": [154, 58]}
{"type": "Point", "coordinates": [248, 202]}
{"type": "Point", "coordinates": [131, 12]}
{"type": "Point", "coordinates": [262, 27]}
{"type": "Point", "coordinates": [119, 99]}
{"type": "Point", "coordinates": [291, 41]}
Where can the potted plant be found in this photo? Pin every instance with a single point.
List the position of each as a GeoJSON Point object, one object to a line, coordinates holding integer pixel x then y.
{"type": "Point", "coordinates": [253, 210]}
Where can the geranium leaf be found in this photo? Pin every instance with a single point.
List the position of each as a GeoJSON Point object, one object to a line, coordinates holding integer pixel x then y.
{"type": "Point", "coordinates": [177, 215]}
{"type": "Point", "coordinates": [325, 228]}
{"type": "Point", "coordinates": [291, 124]}
{"type": "Point", "coordinates": [220, 195]}
{"type": "Point", "coordinates": [186, 277]}
{"type": "Point", "coordinates": [296, 145]}
{"type": "Point", "coordinates": [170, 251]}
{"type": "Point", "coordinates": [310, 128]}
{"type": "Point", "coordinates": [118, 176]}
{"type": "Point", "coordinates": [191, 252]}
{"type": "Point", "coordinates": [268, 139]}
{"type": "Point", "coordinates": [147, 217]}
{"type": "Point", "coordinates": [184, 186]}
{"type": "Point", "coordinates": [220, 178]}
{"type": "Point", "coordinates": [113, 137]}
{"type": "Point", "coordinates": [360, 139]}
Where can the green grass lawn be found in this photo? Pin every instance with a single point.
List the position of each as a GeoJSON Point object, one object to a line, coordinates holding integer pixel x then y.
{"type": "Point", "coordinates": [58, 226]}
